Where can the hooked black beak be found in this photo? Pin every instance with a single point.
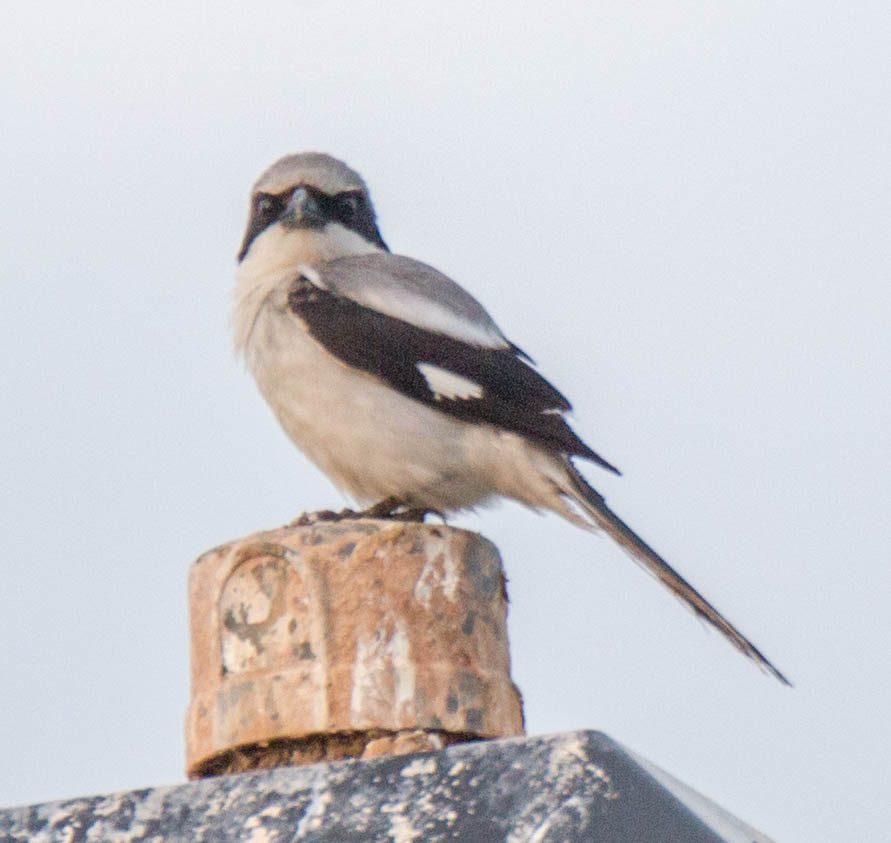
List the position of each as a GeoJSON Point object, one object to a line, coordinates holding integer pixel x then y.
{"type": "Point", "coordinates": [303, 210]}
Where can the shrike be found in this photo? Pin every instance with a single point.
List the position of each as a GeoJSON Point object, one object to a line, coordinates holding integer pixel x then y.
{"type": "Point", "coordinates": [396, 382]}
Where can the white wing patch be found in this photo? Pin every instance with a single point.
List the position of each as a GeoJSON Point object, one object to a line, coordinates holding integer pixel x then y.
{"type": "Point", "coordinates": [446, 384]}
{"type": "Point", "coordinates": [424, 313]}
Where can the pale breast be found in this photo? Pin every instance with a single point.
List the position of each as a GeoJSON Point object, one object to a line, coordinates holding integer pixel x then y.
{"type": "Point", "coordinates": [371, 441]}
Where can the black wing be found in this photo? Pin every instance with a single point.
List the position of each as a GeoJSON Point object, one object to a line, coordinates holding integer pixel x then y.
{"type": "Point", "coordinates": [511, 394]}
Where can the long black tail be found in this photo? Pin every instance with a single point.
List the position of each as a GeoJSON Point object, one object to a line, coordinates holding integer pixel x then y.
{"type": "Point", "coordinates": [595, 506]}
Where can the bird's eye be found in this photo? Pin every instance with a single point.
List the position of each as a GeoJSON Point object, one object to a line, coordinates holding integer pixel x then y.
{"type": "Point", "coordinates": [266, 206]}
{"type": "Point", "coordinates": [348, 206]}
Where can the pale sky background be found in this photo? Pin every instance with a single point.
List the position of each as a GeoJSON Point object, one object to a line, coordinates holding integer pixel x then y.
{"type": "Point", "coordinates": [681, 210]}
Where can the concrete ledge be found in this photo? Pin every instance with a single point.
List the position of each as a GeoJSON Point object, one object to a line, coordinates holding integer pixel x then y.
{"type": "Point", "coordinates": [576, 786]}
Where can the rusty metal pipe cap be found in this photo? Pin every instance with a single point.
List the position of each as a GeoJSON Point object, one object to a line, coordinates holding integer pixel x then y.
{"type": "Point", "coordinates": [357, 637]}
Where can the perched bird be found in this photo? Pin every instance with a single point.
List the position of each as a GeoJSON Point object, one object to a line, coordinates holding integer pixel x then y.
{"type": "Point", "coordinates": [396, 382]}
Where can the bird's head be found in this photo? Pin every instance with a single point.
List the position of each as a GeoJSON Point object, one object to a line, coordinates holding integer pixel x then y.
{"type": "Point", "coordinates": [306, 208]}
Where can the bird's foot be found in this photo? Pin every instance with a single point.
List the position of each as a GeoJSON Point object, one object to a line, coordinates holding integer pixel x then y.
{"type": "Point", "coordinates": [391, 508]}
{"type": "Point", "coordinates": [307, 519]}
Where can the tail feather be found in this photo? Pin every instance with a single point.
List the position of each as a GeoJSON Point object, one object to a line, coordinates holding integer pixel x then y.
{"type": "Point", "coordinates": [595, 506]}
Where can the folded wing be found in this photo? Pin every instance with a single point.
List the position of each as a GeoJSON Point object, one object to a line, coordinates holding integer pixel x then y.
{"type": "Point", "coordinates": [423, 335]}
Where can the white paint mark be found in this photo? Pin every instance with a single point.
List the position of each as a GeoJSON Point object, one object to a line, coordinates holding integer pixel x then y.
{"type": "Point", "coordinates": [315, 813]}
{"type": "Point", "coordinates": [402, 831]}
{"type": "Point", "coordinates": [568, 770]}
{"type": "Point", "coordinates": [260, 835]}
{"type": "Point", "coordinates": [425, 584]}
{"type": "Point", "coordinates": [383, 675]}
{"type": "Point", "coordinates": [457, 767]}
{"type": "Point", "coordinates": [449, 573]}
{"type": "Point", "coordinates": [420, 767]}
{"type": "Point", "coordinates": [446, 384]}
{"type": "Point", "coordinates": [439, 571]}
{"type": "Point", "coordinates": [400, 654]}
{"type": "Point", "coordinates": [572, 806]}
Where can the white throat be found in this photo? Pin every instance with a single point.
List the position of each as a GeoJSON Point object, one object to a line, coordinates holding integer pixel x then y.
{"type": "Point", "coordinates": [275, 256]}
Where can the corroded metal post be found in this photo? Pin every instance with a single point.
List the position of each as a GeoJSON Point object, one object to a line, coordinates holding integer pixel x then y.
{"type": "Point", "coordinates": [350, 638]}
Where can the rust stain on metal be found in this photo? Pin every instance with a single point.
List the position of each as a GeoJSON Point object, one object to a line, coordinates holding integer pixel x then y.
{"type": "Point", "coordinates": [370, 629]}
